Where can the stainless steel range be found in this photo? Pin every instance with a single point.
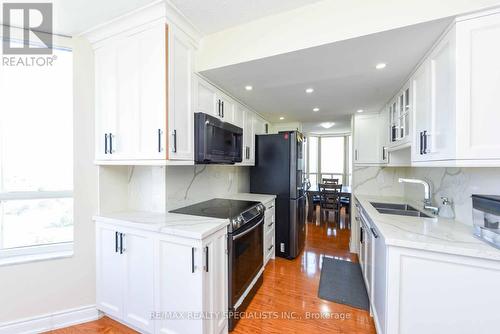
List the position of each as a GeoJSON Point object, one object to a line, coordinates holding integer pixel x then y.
{"type": "Point", "coordinates": [245, 247]}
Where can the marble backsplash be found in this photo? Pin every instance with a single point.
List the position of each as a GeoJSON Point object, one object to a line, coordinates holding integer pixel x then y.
{"type": "Point", "coordinates": [458, 184]}
{"type": "Point", "coordinates": [203, 182]}
{"type": "Point", "coordinates": [160, 189]}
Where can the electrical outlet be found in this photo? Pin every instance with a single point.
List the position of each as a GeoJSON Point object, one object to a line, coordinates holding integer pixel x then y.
{"type": "Point", "coordinates": [282, 247]}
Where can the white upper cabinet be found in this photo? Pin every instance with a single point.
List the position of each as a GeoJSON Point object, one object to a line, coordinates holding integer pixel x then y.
{"type": "Point", "coordinates": [105, 98]}
{"type": "Point", "coordinates": [143, 85]}
{"type": "Point", "coordinates": [399, 110]}
{"type": "Point", "coordinates": [180, 115]}
{"type": "Point", "coordinates": [206, 100]}
{"type": "Point", "coordinates": [248, 137]}
{"type": "Point", "coordinates": [433, 104]}
{"type": "Point", "coordinates": [212, 101]}
{"type": "Point", "coordinates": [368, 148]}
{"type": "Point", "coordinates": [478, 88]}
{"type": "Point", "coordinates": [456, 88]}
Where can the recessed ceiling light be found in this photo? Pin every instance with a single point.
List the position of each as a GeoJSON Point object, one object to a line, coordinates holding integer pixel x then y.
{"type": "Point", "coordinates": [248, 87]}
{"type": "Point", "coordinates": [327, 125]}
{"type": "Point", "coordinates": [282, 118]}
{"type": "Point", "coordinates": [309, 90]}
{"type": "Point", "coordinates": [380, 66]}
{"type": "Point", "coordinates": [360, 110]}
{"type": "Point", "coordinates": [316, 109]}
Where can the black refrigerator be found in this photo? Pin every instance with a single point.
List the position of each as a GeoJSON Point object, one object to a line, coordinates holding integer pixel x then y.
{"type": "Point", "coordinates": [279, 170]}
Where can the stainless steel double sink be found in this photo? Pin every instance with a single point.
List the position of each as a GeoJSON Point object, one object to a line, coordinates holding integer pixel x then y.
{"type": "Point", "coordinates": [398, 209]}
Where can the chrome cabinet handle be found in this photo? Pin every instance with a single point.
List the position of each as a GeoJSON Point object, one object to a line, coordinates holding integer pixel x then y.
{"type": "Point", "coordinates": [175, 141]}
{"type": "Point", "coordinates": [116, 242]}
{"type": "Point", "coordinates": [426, 148]}
{"type": "Point", "coordinates": [206, 259]}
{"type": "Point", "coordinates": [192, 260]}
{"type": "Point", "coordinates": [105, 143]}
{"type": "Point", "coordinates": [222, 102]}
{"type": "Point", "coordinates": [110, 143]}
{"type": "Point", "coordinates": [122, 249]}
{"type": "Point", "coordinates": [374, 232]}
{"type": "Point", "coordinates": [159, 140]}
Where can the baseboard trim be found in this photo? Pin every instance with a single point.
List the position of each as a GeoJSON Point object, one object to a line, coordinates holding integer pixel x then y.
{"type": "Point", "coordinates": [51, 321]}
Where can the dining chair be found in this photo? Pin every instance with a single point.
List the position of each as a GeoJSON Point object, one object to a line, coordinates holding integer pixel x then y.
{"type": "Point", "coordinates": [329, 200]}
{"type": "Point", "coordinates": [330, 181]}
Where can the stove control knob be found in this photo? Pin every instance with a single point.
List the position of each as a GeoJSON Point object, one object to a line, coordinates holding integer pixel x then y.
{"type": "Point", "coordinates": [238, 221]}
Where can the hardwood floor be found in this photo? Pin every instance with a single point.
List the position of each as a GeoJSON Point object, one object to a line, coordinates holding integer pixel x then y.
{"type": "Point", "coordinates": [292, 287]}
{"type": "Point", "coordinates": [287, 301]}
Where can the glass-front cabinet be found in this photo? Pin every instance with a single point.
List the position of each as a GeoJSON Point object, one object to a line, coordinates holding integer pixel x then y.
{"type": "Point", "coordinates": [399, 117]}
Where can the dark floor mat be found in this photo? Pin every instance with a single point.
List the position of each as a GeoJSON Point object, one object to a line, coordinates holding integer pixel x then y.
{"type": "Point", "coordinates": [342, 282]}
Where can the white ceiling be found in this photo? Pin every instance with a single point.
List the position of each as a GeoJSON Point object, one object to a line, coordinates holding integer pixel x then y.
{"type": "Point", "coordinates": [210, 16]}
{"type": "Point", "coordinates": [342, 74]}
{"type": "Point", "coordinates": [72, 17]}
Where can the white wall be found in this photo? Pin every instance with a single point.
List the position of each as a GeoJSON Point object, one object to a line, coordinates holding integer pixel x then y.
{"type": "Point", "coordinates": [321, 23]}
{"type": "Point", "coordinates": [39, 288]}
{"type": "Point", "coordinates": [290, 126]}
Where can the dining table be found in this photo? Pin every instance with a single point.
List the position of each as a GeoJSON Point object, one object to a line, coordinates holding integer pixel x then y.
{"type": "Point", "coordinates": [314, 190]}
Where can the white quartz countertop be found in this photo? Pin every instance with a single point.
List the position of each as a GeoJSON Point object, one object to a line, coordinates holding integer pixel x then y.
{"type": "Point", "coordinates": [194, 227]}
{"type": "Point", "coordinates": [432, 234]}
{"type": "Point", "coordinates": [188, 226]}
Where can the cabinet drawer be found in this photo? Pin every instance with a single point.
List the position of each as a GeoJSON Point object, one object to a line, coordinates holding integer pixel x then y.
{"type": "Point", "coordinates": [269, 245]}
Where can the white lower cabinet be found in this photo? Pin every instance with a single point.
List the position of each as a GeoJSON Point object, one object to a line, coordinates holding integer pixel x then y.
{"type": "Point", "coordinates": [157, 283]}
{"type": "Point", "coordinates": [414, 291]}
{"type": "Point", "coordinates": [269, 232]}
{"type": "Point", "coordinates": [124, 275]}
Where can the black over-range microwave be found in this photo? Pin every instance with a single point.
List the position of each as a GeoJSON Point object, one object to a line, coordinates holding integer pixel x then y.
{"type": "Point", "coordinates": [215, 141]}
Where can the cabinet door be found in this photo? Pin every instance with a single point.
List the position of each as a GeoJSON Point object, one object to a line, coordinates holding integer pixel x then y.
{"type": "Point", "coordinates": [179, 287]}
{"type": "Point", "coordinates": [238, 116]}
{"type": "Point", "coordinates": [138, 291]}
{"type": "Point", "coordinates": [249, 138]}
{"type": "Point", "coordinates": [215, 284]}
{"type": "Point", "coordinates": [366, 135]}
{"type": "Point", "coordinates": [180, 112]}
{"type": "Point", "coordinates": [380, 280]}
{"type": "Point", "coordinates": [152, 113]}
{"type": "Point", "coordinates": [421, 83]}
{"type": "Point", "coordinates": [259, 126]}
{"type": "Point", "coordinates": [205, 98]}
{"type": "Point", "coordinates": [384, 135]}
{"type": "Point", "coordinates": [109, 271]}
{"type": "Point", "coordinates": [478, 78]}
{"type": "Point", "coordinates": [105, 59]}
{"type": "Point", "coordinates": [227, 108]}
{"type": "Point", "coordinates": [441, 134]}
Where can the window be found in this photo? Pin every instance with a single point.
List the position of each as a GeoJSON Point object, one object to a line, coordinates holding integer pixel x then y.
{"type": "Point", "coordinates": [36, 157]}
{"type": "Point", "coordinates": [313, 159]}
{"type": "Point", "coordinates": [328, 157]}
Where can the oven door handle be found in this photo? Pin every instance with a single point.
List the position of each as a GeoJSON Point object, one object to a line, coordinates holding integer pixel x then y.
{"type": "Point", "coordinates": [236, 237]}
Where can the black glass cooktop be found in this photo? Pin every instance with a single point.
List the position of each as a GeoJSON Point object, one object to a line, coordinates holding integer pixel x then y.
{"type": "Point", "coordinates": [217, 208]}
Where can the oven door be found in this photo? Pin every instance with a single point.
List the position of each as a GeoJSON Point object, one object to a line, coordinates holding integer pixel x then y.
{"type": "Point", "coordinates": [217, 141]}
{"type": "Point", "coordinates": [246, 257]}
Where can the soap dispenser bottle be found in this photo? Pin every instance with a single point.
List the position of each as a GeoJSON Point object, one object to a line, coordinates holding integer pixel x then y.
{"type": "Point", "coordinates": [446, 209]}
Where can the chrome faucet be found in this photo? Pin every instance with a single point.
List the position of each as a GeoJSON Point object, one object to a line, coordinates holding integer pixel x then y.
{"type": "Point", "coordinates": [427, 194]}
